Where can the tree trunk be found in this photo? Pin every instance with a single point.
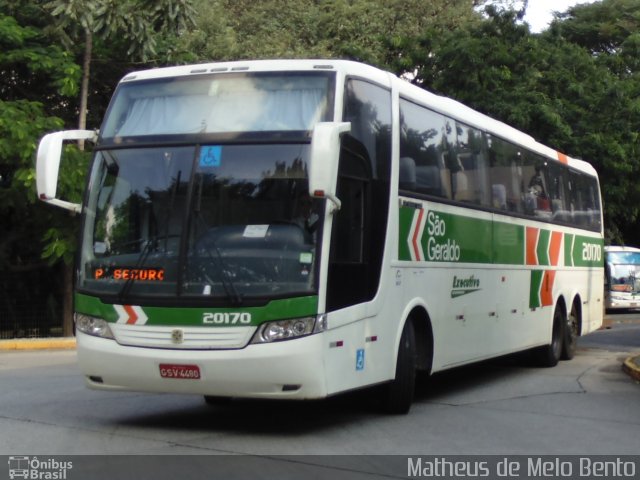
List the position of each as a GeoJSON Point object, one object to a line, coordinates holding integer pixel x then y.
{"type": "Point", "coordinates": [84, 87]}
{"type": "Point", "coordinates": [67, 301]}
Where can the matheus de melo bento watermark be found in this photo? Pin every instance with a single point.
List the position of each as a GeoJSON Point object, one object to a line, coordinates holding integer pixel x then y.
{"type": "Point", "coordinates": [522, 467]}
{"type": "Point", "coordinates": [35, 468]}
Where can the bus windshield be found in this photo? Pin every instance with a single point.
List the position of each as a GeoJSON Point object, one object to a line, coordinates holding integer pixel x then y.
{"type": "Point", "coordinates": [624, 271]}
{"type": "Point", "coordinates": [226, 222]}
{"type": "Point", "coordinates": [219, 103]}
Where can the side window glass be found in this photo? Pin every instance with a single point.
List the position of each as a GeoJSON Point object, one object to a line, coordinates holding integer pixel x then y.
{"type": "Point", "coordinates": [368, 108]}
{"type": "Point", "coordinates": [359, 227]}
{"type": "Point", "coordinates": [585, 201]}
{"type": "Point", "coordinates": [506, 175]}
{"type": "Point", "coordinates": [558, 192]}
{"type": "Point", "coordinates": [470, 182]}
{"type": "Point", "coordinates": [423, 151]}
{"type": "Point", "coordinates": [353, 190]}
{"type": "Point", "coordinates": [594, 196]}
{"type": "Point", "coordinates": [536, 198]}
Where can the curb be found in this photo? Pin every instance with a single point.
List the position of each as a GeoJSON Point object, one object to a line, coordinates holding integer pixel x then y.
{"type": "Point", "coordinates": [632, 366]}
{"type": "Point", "coordinates": [67, 343]}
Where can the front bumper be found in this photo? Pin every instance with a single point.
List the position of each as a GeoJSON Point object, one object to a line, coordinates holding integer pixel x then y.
{"type": "Point", "coordinates": [290, 369]}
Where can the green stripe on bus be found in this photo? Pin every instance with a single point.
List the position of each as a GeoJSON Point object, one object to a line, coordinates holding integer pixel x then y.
{"type": "Point", "coordinates": [448, 237]}
{"type": "Point", "coordinates": [587, 252]}
{"type": "Point", "coordinates": [406, 218]}
{"type": "Point", "coordinates": [508, 244]}
{"type": "Point", "coordinates": [568, 249]}
{"type": "Point", "coordinates": [192, 316]}
{"type": "Point", "coordinates": [534, 290]}
{"type": "Point", "coordinates": [542, 249]}
{"type": "Point", "coordinates": [473, 236]}
{"type": "Point", "coordinates": [456, 238]}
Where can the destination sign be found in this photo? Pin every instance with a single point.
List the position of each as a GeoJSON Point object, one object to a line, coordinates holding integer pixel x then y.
{"type": "Point", "coordinates": [146, 274]}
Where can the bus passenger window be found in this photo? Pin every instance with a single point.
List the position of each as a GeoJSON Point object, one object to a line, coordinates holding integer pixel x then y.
{"type": "Point", "coordinates": [557, 193]}
{"type": "Point", "coordinates": [423, 144]}
{"type": "Point", "coordinates": [536, 199]}
{"type": "Point", "coordinates": [505, 175]}
{"type": "Point", "coordinates": [470, 182]}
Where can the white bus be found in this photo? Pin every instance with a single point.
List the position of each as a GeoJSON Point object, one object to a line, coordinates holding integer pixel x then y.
{"type": "Point", "coordinates": [622, 288]}
{"type": "Point", "coordinates": [296, 229]}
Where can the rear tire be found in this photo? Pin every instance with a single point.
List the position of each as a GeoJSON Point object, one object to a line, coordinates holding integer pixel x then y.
{"type": "Point", "coordinates": [570, 336]}
{"type": "Point", "coordinates": [549, 355]}
{"type": "Point", "coordinates": [398, 395]}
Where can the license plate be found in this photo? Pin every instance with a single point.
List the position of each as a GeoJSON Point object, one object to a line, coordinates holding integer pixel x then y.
{"type": "Point", "coordinates": [180, 372]}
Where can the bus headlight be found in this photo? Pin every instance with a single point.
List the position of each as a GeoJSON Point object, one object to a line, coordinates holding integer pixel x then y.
{"type": "Point", "coordinates": [92, 326]}
{"type": "Point", "coordinates": [289, 329]}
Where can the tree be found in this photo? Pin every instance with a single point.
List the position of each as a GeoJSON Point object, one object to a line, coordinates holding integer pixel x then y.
{"type": "Point", "coordinates": [139, 22]}
{"type": "Point", "coordinates": [365, 30]}
{"type": "Point", "coordinates": [36, 78]}
{"type": "Point", "coordinates": [143, 25]}
{"type": "Point", "coordinates": [610, 31]}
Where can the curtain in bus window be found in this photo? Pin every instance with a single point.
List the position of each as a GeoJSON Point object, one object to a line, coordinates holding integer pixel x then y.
{"type": "Point", "coordinates": [229, 106]}
{"type": "Point", "coordinates": [162, 115]}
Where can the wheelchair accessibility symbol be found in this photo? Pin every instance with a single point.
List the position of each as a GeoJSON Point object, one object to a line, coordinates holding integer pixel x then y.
{"type": "Point", "coordinates": [210, 156]}
{"type": "Point", "coordinates": [360, 359]}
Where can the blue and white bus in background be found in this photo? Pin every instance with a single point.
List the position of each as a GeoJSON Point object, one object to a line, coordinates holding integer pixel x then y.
{"type": "Point", "coordinates": [622, 288]}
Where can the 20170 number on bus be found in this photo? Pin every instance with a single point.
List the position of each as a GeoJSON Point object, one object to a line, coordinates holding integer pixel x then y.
{"type": "Point", "coordinates": [296, 229]}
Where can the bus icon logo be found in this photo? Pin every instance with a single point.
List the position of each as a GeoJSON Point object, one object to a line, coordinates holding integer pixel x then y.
{"type": "Point", "coordinates": [18, 467]}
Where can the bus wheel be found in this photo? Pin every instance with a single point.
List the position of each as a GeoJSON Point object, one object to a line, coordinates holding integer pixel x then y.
{"type": "Point", "coordinates": [549, 355]}
{"type": "Point", "coordinates": [399, 393]}
{"type": "Point", "coordinates": [570, 335]}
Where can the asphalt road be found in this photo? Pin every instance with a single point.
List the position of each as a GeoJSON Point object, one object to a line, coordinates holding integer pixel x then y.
{"type": "Point", "coordinates": [586, 406]}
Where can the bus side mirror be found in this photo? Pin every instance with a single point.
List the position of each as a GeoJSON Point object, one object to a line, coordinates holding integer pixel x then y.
{"type": "Point", "coordinates": [48, 165]}
{"type": "Point", "coordinates": [325, 155]}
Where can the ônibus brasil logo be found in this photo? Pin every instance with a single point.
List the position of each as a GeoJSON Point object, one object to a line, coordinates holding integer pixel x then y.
{"type": "Point", "coordinates": [38, 469]}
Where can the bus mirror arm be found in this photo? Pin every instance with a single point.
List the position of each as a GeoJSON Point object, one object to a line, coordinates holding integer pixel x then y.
{"type": "Point", "coordinates": [324, 159]}
{"type": "Point", "coordinates": [48, 165]}
{"type": "Point", "coordinates": [337, 204]}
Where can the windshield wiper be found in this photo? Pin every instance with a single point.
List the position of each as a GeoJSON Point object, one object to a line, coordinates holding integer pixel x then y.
{"type": "Point", "coordinates": [142, 258]}
{"type": "Point", "coordinates": [225, 275]}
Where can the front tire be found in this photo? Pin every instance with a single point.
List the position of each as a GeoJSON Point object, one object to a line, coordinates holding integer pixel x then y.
{"type": "Point", "coordinates": [398, 395]}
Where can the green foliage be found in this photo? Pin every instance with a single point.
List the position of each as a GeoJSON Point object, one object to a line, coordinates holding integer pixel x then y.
{"type": "Point", "coordinates": [553, 86]}
{"type": "Point", "coordinates": [32, 72]}
{"type": "Point", "coordinates": [365, 30]}
{"type": "Point", "coordinates": [140, 23]}
{"type": "Point", "coordinates": [575, 87]}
